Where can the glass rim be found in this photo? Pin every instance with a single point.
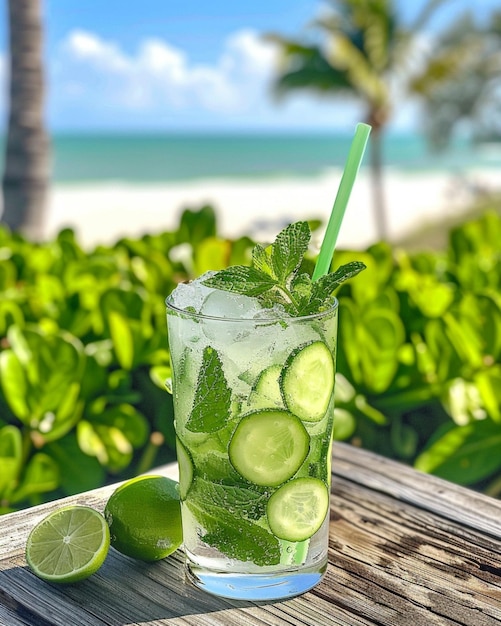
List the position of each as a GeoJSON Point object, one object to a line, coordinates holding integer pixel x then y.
{"type": "Point", "coordinates": [334, 304]}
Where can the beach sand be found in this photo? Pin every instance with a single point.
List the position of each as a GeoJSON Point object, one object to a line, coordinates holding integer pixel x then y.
{"type": "Point", "coordinates": [104, 212]}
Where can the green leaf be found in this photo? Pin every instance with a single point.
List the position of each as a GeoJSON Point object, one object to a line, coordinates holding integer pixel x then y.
{"type": "Point", "coordinates": [79, 472]}
{"type": "Point", "coordinates": [488, 384]}
{"type": "Point", "coordinates": [195, 226]}
{"type": "Point", "coordinates": [10, 315]}
{"type": "Point", "coordinates": [210, 254]}
{"type": "Point", "coordinates": [464, 454]}
{"type": "Point", "coordinates": [14, 384]}
{"type": "Point", "coordinates": [11, 458]}
{"type": "Point", "coordinates": [216, 467]}
{"type": "Point", "coordinates": [240, 279]}
{"type": "Point", "coordinates": [404, 439]}
{"type": "Point", "coordinates": [122, 338]}
{"type": "Point", "coordinates": [330, 282]}
{"type": "Point", "coordinates": [323, 288]}
{"type": "Point", "coordinates": [49, 379]}
{"type": "Point", "coordinates": [211, 406]}
{"type": "Point", "coordinates": [371, 281]}
{"type": "Point", "coordinates": [129, 302]}
{"type": "Point", "coordinates": [41, 476]}
{"type": "Point", "coordinates": [462, 401]}
{"type": "Point", "coordinates": [344, 424]}
{"type": "Point", "coordinates": [111, 436]}
{"type": "Point", "coordinates": [288, 250]}
{"type": "Point", "coordinates": [160, 375]}
{"type": "Point", "coordinates": [261, 260]}
{"type": "Point", "coordinates": [242, 502]}
{"type": "Point", "coordinates": [237, 538]}
{"type": "Point", "coordinates": [370, 340]}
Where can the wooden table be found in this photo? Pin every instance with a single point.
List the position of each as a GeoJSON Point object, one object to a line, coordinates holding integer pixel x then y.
{"type": "Point", "coordinates": [405, 548]}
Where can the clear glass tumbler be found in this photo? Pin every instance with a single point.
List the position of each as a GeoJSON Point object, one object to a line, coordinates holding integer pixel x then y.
{"type": "Point", "coordinates": [254, 410]}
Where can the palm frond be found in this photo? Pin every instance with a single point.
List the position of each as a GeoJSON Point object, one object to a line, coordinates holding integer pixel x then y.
{"type": "Point", "coordinates": [365, 80]}
{"type": "Point", "coordinates": [304, 66]}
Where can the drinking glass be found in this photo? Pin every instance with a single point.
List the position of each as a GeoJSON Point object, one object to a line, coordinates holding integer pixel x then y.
{"type": "Point", "coordinates": [254, 409]}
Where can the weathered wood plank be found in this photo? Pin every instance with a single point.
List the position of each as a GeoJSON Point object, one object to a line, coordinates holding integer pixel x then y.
{"type": "Point", "coordinates": [399, 555]}
{"type": "Point", "coordinates": [397, 565]}
{"type": "Point", "coordinates": [422, 490]}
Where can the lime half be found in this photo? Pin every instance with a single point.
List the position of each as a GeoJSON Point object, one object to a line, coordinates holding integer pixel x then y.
{"type": "Point", "coordinates": [68, 545]}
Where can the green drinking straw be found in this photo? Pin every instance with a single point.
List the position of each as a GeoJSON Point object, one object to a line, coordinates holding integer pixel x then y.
{"type": "Point", "coordinates": [351, 168]}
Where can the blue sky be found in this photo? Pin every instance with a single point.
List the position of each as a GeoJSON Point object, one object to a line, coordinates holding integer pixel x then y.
{"type": "Point", "coordinates": [129, 65]}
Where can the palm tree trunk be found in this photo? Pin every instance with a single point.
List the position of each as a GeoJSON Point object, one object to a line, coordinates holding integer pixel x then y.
{"type": "Point", "coordinates": [376, 161]}
{"type": "Point", "coordinates": [26, 173]}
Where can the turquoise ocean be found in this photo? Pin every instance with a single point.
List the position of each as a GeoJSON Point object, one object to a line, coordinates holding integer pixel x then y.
{"type": "Point", "coordinates": [161, 158]}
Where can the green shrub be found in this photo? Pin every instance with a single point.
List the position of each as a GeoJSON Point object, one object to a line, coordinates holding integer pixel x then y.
{"type": "Point", "coordinates": [419, 355]}
{"type": "Point", "coordinates": [84, 355]}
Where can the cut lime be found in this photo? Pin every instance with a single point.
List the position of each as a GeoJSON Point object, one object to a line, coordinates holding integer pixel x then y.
{"type": "Point", "coordinates": [268, 447]}
{"type": "Point", "coordinates": [144, 516]}
{"type": "Point", "coordinates": [298, 509]}
{"type": "Point", "coordinates": [307, 381]}
{"type": "Point", "coordinates": [68, 545]}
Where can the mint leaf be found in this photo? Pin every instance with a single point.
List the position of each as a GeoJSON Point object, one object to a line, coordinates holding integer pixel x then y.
{"type": "Point", "coordinates": [247, 281]}
{"type": "Point", "coordinates": [237, 538]}
{"type": "Point", "coordinates": [325, 285]}
{"type": "Point", "coordinates": [211, 406]}
{"type": "Point", "coordinates": [289, 249]}
{"type": "Point", "coordinates": [301, 287]}
{"type": "Point", "coordinates": [261, 260]}
{"type": "Point", "coordinates": [215, 466]}
{"type": "Point", "coordinates": [242, 502]}
{"type": "Point", "coordinates": [323, 288]}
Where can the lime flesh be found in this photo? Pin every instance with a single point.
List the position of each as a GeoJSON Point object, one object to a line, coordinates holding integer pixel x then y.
{"type": "Point", "coordinates": [68, 545]}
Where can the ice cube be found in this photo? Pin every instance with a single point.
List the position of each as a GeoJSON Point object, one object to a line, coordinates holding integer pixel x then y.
{"type": "Point", "coordinates": [191, 295]}
{"type": "Point", "coordinates": [235, 310]}
{"type": "Point", "coordinates": [220, 303]}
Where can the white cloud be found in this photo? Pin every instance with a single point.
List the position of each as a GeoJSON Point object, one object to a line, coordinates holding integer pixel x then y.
{"type": "Point", "coordinates": [86, 47]}
{"type": "Point", "coordinates": [160, 75]}
{"type": "Point", "coordinates": [246, 52]}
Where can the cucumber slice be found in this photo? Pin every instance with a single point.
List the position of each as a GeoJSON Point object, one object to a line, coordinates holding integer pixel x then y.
{"type": "Point", "coordinates": [185, 469]}
{"type": "Point", "coordinates": [307, 381]}
{"type": "Point", "coordinates": [268, 447]}
{"type": "Point", "coordinates": [297, 509]}
{"type": "Point", "coordinates": [265, 393]}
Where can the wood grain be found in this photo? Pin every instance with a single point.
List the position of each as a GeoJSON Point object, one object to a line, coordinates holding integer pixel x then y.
{"type": "Point", "coordinates": [405, 549]}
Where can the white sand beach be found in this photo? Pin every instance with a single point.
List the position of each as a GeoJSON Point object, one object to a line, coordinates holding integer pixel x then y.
{"type": "Point", "coordinates": [104, 212]}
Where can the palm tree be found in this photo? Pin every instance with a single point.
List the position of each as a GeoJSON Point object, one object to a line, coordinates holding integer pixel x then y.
{"type": "Point", "coordinates": [363, 52]}
{"type": "Point", "coordinates": [26, 173]}
{"type": "Point", "coordinates": [472, 91]}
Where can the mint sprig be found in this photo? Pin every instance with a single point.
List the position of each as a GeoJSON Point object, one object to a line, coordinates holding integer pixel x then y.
{"type": "Point", "coordinates": [274, 275]}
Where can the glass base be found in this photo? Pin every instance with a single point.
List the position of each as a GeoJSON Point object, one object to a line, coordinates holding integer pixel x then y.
{"type": "Point", "coordinates": [256, 587]}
